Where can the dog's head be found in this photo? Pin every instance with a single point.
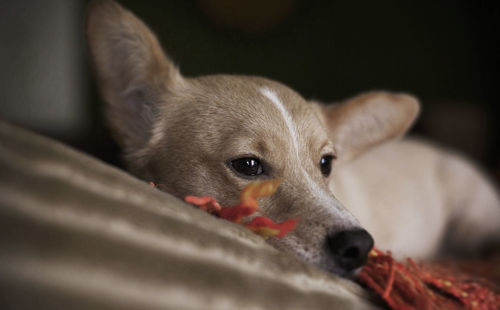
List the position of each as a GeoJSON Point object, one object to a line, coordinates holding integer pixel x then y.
{"type": "Point", "coordinates": [213, 135]}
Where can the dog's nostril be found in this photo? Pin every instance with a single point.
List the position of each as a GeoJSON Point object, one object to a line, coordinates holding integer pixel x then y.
{"type": "Point", "coordinates": [350, 248]}
{"type": "Point", "coordinates": [351, 252]}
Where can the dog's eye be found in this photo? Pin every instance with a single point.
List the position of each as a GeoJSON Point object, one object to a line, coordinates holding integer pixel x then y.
{"type": "Point", "coordinates": [325, 164]}
{"type": "Point", "coordinates": [247, 166]}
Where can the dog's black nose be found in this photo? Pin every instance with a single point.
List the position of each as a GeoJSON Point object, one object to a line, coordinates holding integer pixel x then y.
{"type": "Point", "coordinates": [350, 248]}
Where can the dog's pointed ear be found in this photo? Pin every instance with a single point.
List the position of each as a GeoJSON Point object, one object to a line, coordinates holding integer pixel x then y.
{"type": "Point", "coordinates": [132, 70]}
{"type": "Point", "coordinates": [367, 120]}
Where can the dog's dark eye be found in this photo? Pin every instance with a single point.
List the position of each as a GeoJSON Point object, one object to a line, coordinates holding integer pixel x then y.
{"type": "Point", "coordinates": [247, 166]}
{"type": "Point", "coordinates": [325, 164]}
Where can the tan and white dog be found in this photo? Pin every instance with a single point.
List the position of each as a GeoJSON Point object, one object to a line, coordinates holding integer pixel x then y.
{"type": "Point", "coordinates": [343, 169]}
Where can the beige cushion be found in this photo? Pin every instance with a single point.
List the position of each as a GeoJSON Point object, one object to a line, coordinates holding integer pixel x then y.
{"type": "Point", "coordinates": [77, 233]}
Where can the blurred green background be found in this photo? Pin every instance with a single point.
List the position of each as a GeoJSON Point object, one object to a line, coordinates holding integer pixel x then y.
{"type": "Point", "coordinates": [447, 53]}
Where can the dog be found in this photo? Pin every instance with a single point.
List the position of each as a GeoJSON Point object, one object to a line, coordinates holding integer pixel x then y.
{"type": "Point", "coordinates": [345, 172]}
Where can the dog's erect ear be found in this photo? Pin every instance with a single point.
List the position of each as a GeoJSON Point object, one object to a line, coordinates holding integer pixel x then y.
{"type": "Point", "coordinates": [369, 119]}
{"type": "Point", "coordinates": [132, 70]}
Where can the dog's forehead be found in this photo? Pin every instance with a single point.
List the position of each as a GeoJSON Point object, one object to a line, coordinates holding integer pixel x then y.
{"type": "Point", "coordinates": [253, 100]}
{"type": "Point", "coordinates": [254, 111]}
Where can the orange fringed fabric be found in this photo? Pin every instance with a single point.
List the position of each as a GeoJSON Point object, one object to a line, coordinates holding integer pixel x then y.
{"type": "Point", "coordinates": [432, 286]}
{"type": "Point", "coordinates": [248, 205]}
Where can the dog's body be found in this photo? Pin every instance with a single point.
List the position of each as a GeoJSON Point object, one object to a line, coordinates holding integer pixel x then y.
{"type": "Point", "coordinates": [420, 200]}
{"type": "Point", "coordinates": [213, 135]}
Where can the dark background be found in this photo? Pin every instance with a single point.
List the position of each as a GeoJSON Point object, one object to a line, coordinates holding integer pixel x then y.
{"type": "Point", "coordinates": [445, 52]}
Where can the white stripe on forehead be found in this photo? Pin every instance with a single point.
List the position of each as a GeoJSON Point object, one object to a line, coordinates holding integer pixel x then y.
{"type": "Point", "coordinates": [271, 95]}
{"type": "Point", "coordinates": [319, 194]}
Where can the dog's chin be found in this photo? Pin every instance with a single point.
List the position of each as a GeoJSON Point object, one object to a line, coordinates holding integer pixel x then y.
{"type": "Point", "coordinates": [347, 274]}
{"type": "Point", "coordinates": [320, 260]}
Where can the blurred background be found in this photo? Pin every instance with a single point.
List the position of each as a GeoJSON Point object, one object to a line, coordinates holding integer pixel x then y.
{"type": "Point", "coordinates": [447, 53]}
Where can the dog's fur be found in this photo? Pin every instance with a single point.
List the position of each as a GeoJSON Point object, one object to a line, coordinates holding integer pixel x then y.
{"type": "Point", "coordinates": [183, 133]}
